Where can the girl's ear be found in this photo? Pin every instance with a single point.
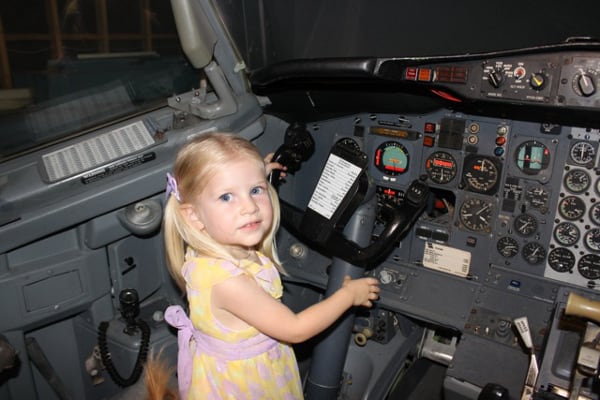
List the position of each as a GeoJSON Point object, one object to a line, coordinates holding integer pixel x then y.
{"type": "Point", "coordinates": [190, 214]}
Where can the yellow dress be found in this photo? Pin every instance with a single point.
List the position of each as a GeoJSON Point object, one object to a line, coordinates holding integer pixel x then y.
{"type": "Point", "coordinates": [232, 364]}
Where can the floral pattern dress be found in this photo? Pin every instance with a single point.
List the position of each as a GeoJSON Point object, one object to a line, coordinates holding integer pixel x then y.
{"type": "Point", "coordinates": [226, 363]}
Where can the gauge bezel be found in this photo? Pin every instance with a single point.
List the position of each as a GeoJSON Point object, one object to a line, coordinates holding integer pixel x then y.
{"type": "Point", "coordinates": [481, 180]}
{"type": "Point", "coordinates": [507, 242]}
{"type": "Point", "coordinates": [595, 260]}
{"type": "Point", "coordinates": [529, 227]}
{"type": "Point", "coordinates": [480, 218]}
{"type": "Point", "coordinates": [588, 157]}
{"type": "Point", "coordinates": [580, 204]}
{"type": "Point", "coordinates": [380, 163]}
{"type": "Point", "coordinates": [561, 252]}
{"type": "Point", "coordinates": [529, 253]}
{"type": "Point", "coordinates": [592, 245]}
{"type": "Point", "coordinates": [543, 162]}
{"type": "Point", "coordinates": [594, 213]}
{"type": "Point", "coordinates": [570, 185]}
{"type": "Point", "coordinates": [570, 242]}
{"type": "Point", "coordinates": [431, 169]}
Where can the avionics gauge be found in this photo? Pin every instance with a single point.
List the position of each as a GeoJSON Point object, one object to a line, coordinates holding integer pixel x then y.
{"type": "Point", "coordinates": [561, 259]}
{"type": "Point", "coordinates": [391, 158]}
{"type": "Point", "coordinates": [566, 233]}
{"type": "Point", "coordinates": [592, 239]}
{"type": "Point", "coordinates": [571, 208]}
{"type": "Point", "coordinates": [577, 180]}
{"type": "Point", "coordinates": [481, 174]}
{"type": "Point", "coordinates": [538, 197]}
{"type": "Point", "coordinates": [534, 253]}
{"type": "Point", "coordinates": [476, 214]}
{"type": "Point", "coordinates": [349, 143]}
{"type": "Point", "coordinates": [582, 152]}
{"type": "Point", "coordinates": [595, 213]}
{"type": "Point", "coordinates": [507, 246]}
{"type": "Point", "coordinates": [525, 224]}
{"type": "Point", "coordinates": [532, 157]}
{"type": "Point", "coordinates": [589, 266]}
{"type": "Point", "coordinates": [441, 167]}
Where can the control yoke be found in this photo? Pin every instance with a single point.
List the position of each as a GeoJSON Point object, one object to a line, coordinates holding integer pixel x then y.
{"type": "Point", "coordinates": [342, 187]}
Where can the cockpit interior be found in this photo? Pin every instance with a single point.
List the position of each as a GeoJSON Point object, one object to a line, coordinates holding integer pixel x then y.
{"type": "Point", "coordinates": [451, 152]}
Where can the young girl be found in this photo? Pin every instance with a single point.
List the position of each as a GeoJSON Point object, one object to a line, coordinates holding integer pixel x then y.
{"type": "Point", "coordinates": [220, 221]}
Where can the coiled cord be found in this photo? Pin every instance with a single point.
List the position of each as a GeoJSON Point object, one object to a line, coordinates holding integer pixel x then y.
{"type": "Point", "coordinates": [141, 357]}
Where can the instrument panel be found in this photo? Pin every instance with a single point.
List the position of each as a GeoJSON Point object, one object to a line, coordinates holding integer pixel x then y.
{"type": "Point", "coordinates": [514, 195]}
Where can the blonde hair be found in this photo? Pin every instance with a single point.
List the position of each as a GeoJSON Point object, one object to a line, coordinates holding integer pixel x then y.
{"type": "Point", "coordinates": [195, 164]}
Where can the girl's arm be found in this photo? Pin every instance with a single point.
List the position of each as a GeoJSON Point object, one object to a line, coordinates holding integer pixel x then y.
{"type": "Point", "coordinates": [245, 299]}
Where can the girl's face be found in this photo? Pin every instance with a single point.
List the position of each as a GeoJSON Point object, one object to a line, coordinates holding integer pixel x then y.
{"type": "Point", "coordinates": [234, 208]}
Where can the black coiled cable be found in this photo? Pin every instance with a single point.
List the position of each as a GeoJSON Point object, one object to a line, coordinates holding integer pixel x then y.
{"type": "Point", "coordinates": [140, 361]}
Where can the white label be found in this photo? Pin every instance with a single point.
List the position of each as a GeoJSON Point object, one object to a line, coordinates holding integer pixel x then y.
{"type": "Point", "coordinates": [337, 178]}
{"type": "Point", "coordinates": [446, 259]}
{"type": "Point", "coordinates": [96, 151]}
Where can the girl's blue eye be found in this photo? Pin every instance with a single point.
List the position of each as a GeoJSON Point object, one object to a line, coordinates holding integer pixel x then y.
{"type": "Point", "coordinates": [256, 190]}
{"type": "Point", "coordinates": [225, 197]}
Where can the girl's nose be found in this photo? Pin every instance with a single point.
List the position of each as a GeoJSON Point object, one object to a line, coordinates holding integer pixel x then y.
{"type": "Point", "coordinates": [249, 205]}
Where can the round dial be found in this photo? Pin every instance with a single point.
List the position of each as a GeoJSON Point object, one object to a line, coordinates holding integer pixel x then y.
{"type": "Point", "coordinates": [440, 167]}
{"type": "Point", "coordinates": [507, 246]}
{"type": "Point", "coordinates": [350, 144]}
{"type": "Point", "coordinates": [532, 157]}
{"type": "Point", "coordinates": [577, 181]}
{"type": "Point", "coordinates": [595, 213]}
{"type": "Point", "coordinates": [582, 152]}
{"type": "Point", "coordinates": [592, 239]}
{"type": "Point", "coordinates": [533, 253]}
{"type": "Point", "coordinates": [475, 214]}
{"type": "Point", "coordinates": [589, 266]}
{"type": "Point", "coordinates": [481, 174]}
{"type": "Point", "coordinates": [538, 197]}
{"type": "Point", "coordinates": [561, 259]}
{"type": "Point", "coordinates": [525, 224]}
{"type": "Point", "coordinates": [391, 158]}
{"type": "Point", "coordinates": [571, 208]}
{"type": "Point", "coordinates": [566, 233]}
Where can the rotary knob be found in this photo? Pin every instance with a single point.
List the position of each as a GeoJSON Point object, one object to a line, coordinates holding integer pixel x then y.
{"type": "Point", "coordinates": [537, 81]}
{"type": "Point", "coordinates": [586, 85]}
{"type": "Point", "coordinates": [495, 78]}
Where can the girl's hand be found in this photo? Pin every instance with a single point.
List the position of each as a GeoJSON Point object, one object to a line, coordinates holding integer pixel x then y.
{"type": "Point", "coordinates": [364, 290]}
{"type": "Point", "coordinates": [270, 165]}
